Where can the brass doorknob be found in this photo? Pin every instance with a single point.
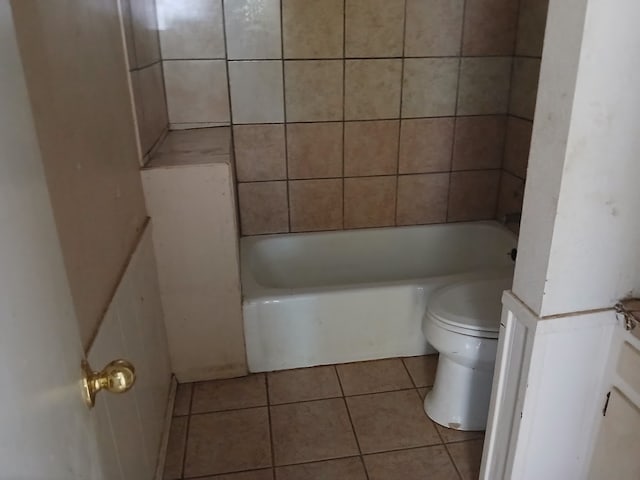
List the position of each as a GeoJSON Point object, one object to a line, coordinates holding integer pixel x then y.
{"type": "Point", "coordinates": [116, 377]}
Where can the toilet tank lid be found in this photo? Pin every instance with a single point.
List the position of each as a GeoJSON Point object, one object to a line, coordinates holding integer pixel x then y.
{"type": "Point", "coordinates": [474, 305]}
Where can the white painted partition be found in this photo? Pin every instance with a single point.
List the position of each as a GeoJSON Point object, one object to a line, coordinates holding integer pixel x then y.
{"type": "Point", "coordinates": [549, 387]}
{"type": "Point", "coordinates": [132, 424]}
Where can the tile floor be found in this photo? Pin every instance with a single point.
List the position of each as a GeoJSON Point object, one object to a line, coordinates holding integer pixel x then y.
{"type": "Point", "coordinates": [357, 421]}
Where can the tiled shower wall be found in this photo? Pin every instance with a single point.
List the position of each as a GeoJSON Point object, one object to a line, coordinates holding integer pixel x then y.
{"type": "Point", "coordinates": [348, 113]}
{"type": "Point", "coordinates": [524, 87]}
{"type": "Point", "coordinates": [142, 41]}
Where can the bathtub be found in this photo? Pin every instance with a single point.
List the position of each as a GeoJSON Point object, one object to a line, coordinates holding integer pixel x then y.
{"type": "Point", "coordinates": [334, 297]}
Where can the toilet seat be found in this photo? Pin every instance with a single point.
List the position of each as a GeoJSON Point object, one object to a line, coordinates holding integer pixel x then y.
{"type": "Point", "coordinates": [470, 308]}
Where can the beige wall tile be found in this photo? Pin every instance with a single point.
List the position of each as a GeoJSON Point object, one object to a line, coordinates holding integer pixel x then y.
{"type": "Point", "coordinates": [372, 89]}
{"type": "Point", "coordinates": [484, 86]}
{"type": "Point", "coordinates": [313, 90]}
{"type": "Point", "coordinates": [531, 27]}
{"type": "Point", "coordinates": [490, 27]}
{"type": "Point", "coordinates": [313, 29]}
{"type": "Point", "coordinates": [314, 150]}
{"type": "Point", "coordinates": [145, 32]}
{"type": "Point", "coordinates": [197, 91]}
{"type": "Point", "coordinates": [479, 142]}
{"type": "Point", "coordinates": [518, 143]}
{"type": "Point", "coordinates": [429, 87]}
{"type": "Point", "coordinates": [371, 148]}
{"type": "Point", "coordinates": [422, 199]}
{"type": "Point", "coordinates": [524, 88]}
{"type": "Point", "coordinates": [369, 201]}
{"type": "Point", "coordinates": [154, 120]}
{"type": "Point", "coordinates": [425, 145]}
{"type": "Point", "coordinates": [191, 29]}
{"type": "Point", "coordinates": [256, 91]}
{"type": "Point", "coordinates": [474, 195]}
{"type": "Point", "coordinates": [259, 152]}
{"type": "Point", "coordinates": [434, 28]}
{"type": "Point", "coordinates": [511, 195]}
{"type": "Point", "coordinates": [374, 28]}
{"type": "Point", "coordinates": [315, 205]}
{"type": "Point", "coordinates": [263, 207]}
{"type": "Point", "coordinates": [253, 29]}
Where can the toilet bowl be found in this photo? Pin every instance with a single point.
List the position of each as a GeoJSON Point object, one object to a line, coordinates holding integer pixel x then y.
{"type": "Point", "coordinates": [462, 322]}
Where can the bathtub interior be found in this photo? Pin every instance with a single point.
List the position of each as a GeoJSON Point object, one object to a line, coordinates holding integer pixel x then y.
{"type": "Point", "coordinates": [326, 259]}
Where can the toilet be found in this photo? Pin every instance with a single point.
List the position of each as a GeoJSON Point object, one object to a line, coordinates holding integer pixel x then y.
{"type": "Point", "coordinates": [461, 322]}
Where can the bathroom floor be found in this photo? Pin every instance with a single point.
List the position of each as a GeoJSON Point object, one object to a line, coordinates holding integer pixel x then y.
{"type": "Point", "coordinates": [354, 421]}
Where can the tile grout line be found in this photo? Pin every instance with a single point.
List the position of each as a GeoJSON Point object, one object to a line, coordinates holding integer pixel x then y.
{"type": "Point", "coordinates": [353, 428]}
{"type": "Point", "coordinates": [253, 407]}
{"type": "Point", "coordinates": [284, 117]}
{"type": "Point", "coordinates": [400, 119]}
{"type": "Point", "coordinates": [186, 440]}
{"type": "Point", "coordinates": [344, 96]}
{"type": "Point", "coordinates": [435, 172]}
{"type": "Point", "coordinates": [455, 118]}
{"type": "Point", "coordinates": [271, 444]}
{"type": "Point", "coordinates": [406, 369]}
{"type": "Point", "coordinates": [312, 59]}
{"type": "Point", "coordinates": [509, 93]}
{"type": "Point", "coordinates": [361, 120]}
{"type": "Point", "coordinates": [446, 449]}
{"type": "Point", "coordinates": [234, 163]}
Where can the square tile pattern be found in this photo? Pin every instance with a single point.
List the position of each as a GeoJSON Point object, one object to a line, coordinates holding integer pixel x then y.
{"type": "Point", "coordinates": [334, 93]}
{"type": "Point", "coordinates": [353, 421]}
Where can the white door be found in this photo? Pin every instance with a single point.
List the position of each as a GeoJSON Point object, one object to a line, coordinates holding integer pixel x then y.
{"type": "Point", "coordinates": [617, 443]}
{"type": "Point", "coordinates": [46, 431]}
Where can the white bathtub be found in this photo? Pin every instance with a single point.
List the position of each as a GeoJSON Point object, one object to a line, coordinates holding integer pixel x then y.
{"type": "Point", "coordinates": [334, 297]}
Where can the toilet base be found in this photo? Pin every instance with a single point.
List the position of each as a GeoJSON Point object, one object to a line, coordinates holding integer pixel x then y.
{"type": "Point", "coordinates": [460, 396]}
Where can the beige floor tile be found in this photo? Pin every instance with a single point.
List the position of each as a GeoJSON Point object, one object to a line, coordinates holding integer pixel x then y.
{"type": "Point", "coordinates": [226, 442]}
{"type": "Point", "coordinates": [266, 474]}
{"type": "Point", "coordinates": [376, 376]}
{"type": "Point", "coordinates": [449, 435]}
{"type": "Point", "coordinates": [422, 369]}
{"type": "Point", "coordinates": [182, 403]}
{"type": "Point", "coordinates": [217, 395]}
{"type": "Point", "coordinates": [389, 421]}
{"type": "Point", "coordinates": [175, 449]}
{"type": "Point", "coordinates": [312, 431]}
{"type": "Point", "coordinates": [303, 384]}
{"type": "Point", "coordinates": [343, 469]}
{"type": "Point", "coordinates": [416, 464]}
{"type": "Point", "coordinates": [467, 457]}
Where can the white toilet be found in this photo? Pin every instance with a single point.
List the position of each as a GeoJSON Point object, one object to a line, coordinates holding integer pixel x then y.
{"type": "Point", "coordinates": [462, 322]}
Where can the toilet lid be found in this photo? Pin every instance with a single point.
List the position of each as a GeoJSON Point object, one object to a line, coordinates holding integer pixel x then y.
{"type": "Point", "coordinates": [474, 306]}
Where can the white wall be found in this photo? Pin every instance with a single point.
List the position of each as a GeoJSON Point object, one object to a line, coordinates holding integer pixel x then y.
{"type": "Point", "coordinates": [131, 425]}
{"type": "Point", "coordinates": [195, 236]}
{"type": "Point", "coordinates": [581, 225]}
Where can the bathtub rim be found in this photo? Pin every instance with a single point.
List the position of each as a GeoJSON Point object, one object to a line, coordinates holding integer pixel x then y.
{"type": "Point", "coordinates": [253, 291]}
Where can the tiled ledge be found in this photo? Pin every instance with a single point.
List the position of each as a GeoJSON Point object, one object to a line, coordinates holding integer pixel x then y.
{"type": "Point", "coordinates": [193, 147]}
